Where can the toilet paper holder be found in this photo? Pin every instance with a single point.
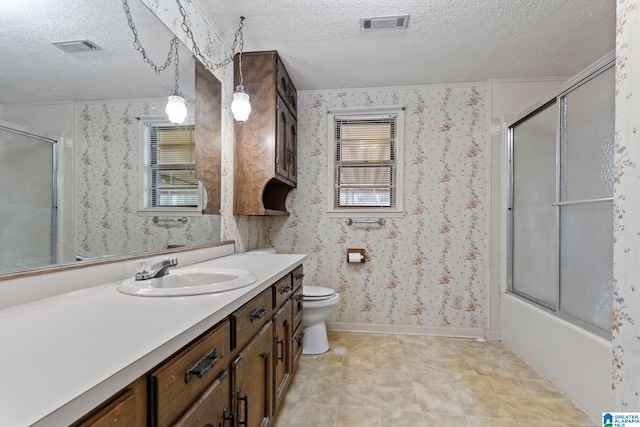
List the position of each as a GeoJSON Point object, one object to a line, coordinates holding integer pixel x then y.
{"type": "Point", "coordinates": [355, 255]}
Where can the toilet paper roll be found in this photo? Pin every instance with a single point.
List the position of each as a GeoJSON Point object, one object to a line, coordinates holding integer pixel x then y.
{"type": "Point", "coordinates": [355, 257]}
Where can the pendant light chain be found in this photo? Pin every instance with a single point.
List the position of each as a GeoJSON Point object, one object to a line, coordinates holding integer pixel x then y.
{"type": "Point", "coordinates": [138, 45]}
{"type": "Point", "coordinates": [177, 75]}
{"type": "Point", "coordinates": [238, 41]}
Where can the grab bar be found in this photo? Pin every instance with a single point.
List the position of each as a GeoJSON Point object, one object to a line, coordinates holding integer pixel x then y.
{"type": "Point", "coordinates": [380, 221]}
{"type": "Point", "coordinates": [156, 219]}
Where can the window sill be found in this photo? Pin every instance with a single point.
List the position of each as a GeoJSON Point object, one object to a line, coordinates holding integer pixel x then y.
{"type": "Point", "coordinates": [170, 212]}
{"type": "Point", "coordinates": [365, 213]}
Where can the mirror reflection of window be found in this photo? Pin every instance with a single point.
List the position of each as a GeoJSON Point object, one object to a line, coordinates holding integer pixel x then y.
{"type": "Point", "coordinates": [169, 179]}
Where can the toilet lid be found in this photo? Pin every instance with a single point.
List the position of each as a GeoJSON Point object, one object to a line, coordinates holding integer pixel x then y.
{"type": "Point", "coordinates": [315, 293]}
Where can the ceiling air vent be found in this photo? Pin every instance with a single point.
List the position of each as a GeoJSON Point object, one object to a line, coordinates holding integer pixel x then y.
{"type": "Point", "coordinates": [384, 22]}
{"type": "Point", "coordinates": [73, 46]}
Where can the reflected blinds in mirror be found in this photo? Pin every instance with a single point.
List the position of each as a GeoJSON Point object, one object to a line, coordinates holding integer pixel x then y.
{"type": "Point", "coordinates": [365, 161]}
{"type": "Point", "coordinates": [170, 167]}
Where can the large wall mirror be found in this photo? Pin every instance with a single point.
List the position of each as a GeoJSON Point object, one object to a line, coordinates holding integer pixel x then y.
{"type": "Point", "coordinates": [79, 198]}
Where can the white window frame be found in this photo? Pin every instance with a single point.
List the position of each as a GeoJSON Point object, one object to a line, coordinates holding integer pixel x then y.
{"type": "Point", "coordinates": [358, 212]}
{"type": "Point", "coordinates": [142, 156]}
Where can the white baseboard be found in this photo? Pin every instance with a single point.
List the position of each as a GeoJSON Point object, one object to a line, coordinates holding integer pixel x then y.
{"type": "Point", "coordinates": [409, 330]}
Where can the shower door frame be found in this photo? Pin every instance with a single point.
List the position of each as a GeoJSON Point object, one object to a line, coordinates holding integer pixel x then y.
{"type": "Point", "coordinates": [558, 99]}
{"type": "Point", "coordinates": [54, 183]}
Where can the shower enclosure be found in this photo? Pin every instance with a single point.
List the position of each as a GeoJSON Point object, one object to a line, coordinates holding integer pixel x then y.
{"type": "Point", "coordinates": [562, 175]}
{"type": "Point", "coordinates": [28, 205]}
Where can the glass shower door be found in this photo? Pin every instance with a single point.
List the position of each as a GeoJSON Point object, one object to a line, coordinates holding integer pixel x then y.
{"type": "Point", "coordinates": [28, 207]}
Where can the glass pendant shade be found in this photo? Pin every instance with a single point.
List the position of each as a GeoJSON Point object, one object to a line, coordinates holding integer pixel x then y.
{"type": "Point", "coordinates": [176, 109]}
{"type": "Point", "coordinates": [240, 106]}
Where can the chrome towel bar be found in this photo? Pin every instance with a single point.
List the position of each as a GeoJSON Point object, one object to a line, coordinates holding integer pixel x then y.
{"type": "Point", "coordinates": [380, 221]}
{"type": "Point", "coordinates": [156, 219]}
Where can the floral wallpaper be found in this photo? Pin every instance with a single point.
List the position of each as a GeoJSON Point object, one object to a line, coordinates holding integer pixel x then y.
{"type": "Point", "coordinates": [107, 173]}
{"type": "Point", "coordinates": [416, 265]}
{"type": "Point", "coordinates": [626, 268]}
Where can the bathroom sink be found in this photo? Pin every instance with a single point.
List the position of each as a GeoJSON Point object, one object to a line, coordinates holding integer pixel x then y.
{"type": "Point", "coordinates": [189, 281]}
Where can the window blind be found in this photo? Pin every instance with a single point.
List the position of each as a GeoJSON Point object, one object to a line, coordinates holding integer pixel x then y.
{"type": "Point", "coordinates": [170, 179]}
{"type": "Point", "coordinates": [365, 161]}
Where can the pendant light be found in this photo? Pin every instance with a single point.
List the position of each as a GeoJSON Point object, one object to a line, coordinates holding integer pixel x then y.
{"type": "Point", "coordinates": [240, 107]}
{"type": "Point", "coordinates": [176, 107]}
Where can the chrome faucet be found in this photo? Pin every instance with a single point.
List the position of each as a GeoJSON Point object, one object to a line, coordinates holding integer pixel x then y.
{"type": "Point", "coordinates": [158, 269]}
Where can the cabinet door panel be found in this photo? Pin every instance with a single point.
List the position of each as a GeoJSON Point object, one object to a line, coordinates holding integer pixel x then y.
{"type": "Point", "coordinates": [252, 378]}
{"type": "Point", "coordinates": [212, 408]}
{"type": "Point", "coordinates": [282, 353]}
{"type": "Point", "coordinates": [282, 129]}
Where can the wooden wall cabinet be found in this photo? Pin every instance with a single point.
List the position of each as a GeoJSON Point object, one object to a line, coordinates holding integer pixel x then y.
{"type": "Point", "coordinates": [265, 162]}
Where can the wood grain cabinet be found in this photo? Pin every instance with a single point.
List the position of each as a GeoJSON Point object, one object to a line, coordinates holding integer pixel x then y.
{"type": "Point", "coordinates": [252, 380]}
{"type": "Point", "coordinates": [265, 162]}
{"type": "Point", "coordinates": [126, 409]}
{"type": "Point", "coordinates": [236, 374]}
{"type": "Point", "coordinates": [181, 381]}
{"type": "Point", "coordinates": [283, 356]}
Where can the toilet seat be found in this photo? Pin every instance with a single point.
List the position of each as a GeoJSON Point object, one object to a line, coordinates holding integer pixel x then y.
{"type": "Point", "coordinates": [317, 293]}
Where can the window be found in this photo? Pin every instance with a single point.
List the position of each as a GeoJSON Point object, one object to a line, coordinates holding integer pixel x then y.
{"type": "Point", "coordinates": [169, 182]}
{"type": "Point", "coordinates": [366, 160]}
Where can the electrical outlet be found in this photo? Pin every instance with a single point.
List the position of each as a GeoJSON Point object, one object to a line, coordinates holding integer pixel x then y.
{"type": "Point", "coordinates": [457, 302]}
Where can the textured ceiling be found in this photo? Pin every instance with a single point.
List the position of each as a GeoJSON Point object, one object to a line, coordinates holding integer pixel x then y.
{"type": "Point", "coordinates": [320, 41]}
{"type": "Point", "coordinates": [446, 40]}
{"type": "Point", "coordinates": [33, 70]}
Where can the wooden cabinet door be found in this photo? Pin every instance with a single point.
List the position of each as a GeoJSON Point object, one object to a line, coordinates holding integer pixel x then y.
{"type": "Point", "coordinates": [252, 373]}
{"type": "Point", "coordinates": [282, 148]}
{"type": "Point", "coordinates": [212, 409]}
{"type": "Point", "coordinates": [282, 353]}
{"type": "Point", "coordinates": [121, 412]}
{"type": "Point", "coordinates": [292, 146]}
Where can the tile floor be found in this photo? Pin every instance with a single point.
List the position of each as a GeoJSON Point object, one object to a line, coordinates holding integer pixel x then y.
{"type": "Point", "coordinates": [413, 381]}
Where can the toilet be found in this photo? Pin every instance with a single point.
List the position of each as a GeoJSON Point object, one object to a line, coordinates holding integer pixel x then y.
{"type": "Point", "coordinates": [318, 302]}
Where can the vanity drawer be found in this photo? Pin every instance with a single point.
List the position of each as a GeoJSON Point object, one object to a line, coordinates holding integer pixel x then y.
{"type": "Point", "coordinates": [297, 275]}
{"type": "Point", "coordinates": [182, 379]}
{"type": "Point", "coordinates": [283, 290]}
{"type": "Point", "coordinates": [297, 307]}
{"type": "Point", "coordinates": [252, 316]}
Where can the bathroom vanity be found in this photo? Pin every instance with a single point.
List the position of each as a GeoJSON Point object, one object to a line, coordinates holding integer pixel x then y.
{"type": "Point", "coordinates": [99, 357]}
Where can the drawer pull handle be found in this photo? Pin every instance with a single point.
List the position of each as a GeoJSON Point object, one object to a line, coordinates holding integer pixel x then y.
{"type": "Point", "coordinates": [258, 314]}
{"type": "Point", "coordinates": [203, 365]}
{"type": "Point", "coordinates": [299, 297]}
{"type": "Point", "coordinates": [246, 407]}
{"type": "Point", "coordinates": [299, 276]}
{"type": "Point", "coordinates": [281, 357]}
{"type": "Point", "coordinates": [299, 337]}
{"type": "Point", "coordinates": [286, 289]}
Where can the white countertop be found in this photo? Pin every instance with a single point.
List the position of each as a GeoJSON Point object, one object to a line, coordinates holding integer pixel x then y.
{"type": "Point", "coordinates": [61, 357]}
